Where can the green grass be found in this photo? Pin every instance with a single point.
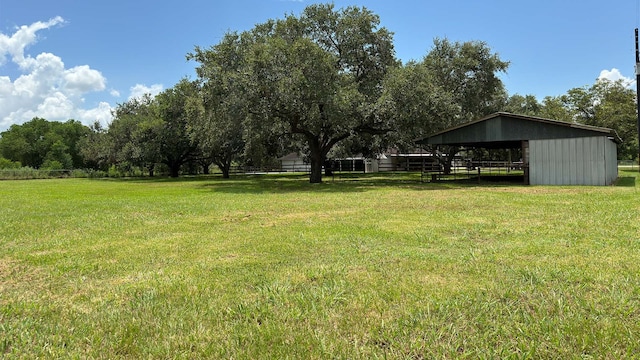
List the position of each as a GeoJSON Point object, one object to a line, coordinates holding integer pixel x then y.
{"type": "Point", "coordinates": [275, 267]}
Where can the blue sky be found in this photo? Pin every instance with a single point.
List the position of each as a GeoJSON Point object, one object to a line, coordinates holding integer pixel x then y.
{"type": "Point", "coordinates": [78, 59]}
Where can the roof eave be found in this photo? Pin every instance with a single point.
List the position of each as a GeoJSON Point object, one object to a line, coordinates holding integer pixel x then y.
{"type": "Point", "coordinates": [611, 132]}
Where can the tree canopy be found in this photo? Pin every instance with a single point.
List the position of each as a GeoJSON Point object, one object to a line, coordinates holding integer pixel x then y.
{"type": "Point", "coordinates": [454, 83]}
{"type": "Point", "coordinates": [217, 115]}
{"type": "Point", "coordinates": [606, 103]}
{"type": "Point", "coordinates": [42, 143]}
{"type": "Point", "coordinates": [315, 78]}
{"type": "Point", "coordinates": [467, 72]}
{"type": "Point", "coordinates": [153, 130]}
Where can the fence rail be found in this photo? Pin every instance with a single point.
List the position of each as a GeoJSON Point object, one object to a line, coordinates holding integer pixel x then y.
{"type": "Point", "coordinates": [628, 165]}
{"type": "Point", "coordinates": [429, 170]}
{"type": "Point", "coordinates": [29, 173]}
{"type": "Point", "coordinates": [465, 170]}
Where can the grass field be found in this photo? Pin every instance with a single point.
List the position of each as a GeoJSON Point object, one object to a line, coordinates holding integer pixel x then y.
{"type": "Point", "coordinates": [275, 267]}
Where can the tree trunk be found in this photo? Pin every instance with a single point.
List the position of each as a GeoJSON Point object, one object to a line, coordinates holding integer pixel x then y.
{"type": "Point", "coordinates": [225, 171]}
{"type": "Point", "coordinates": [446, 167]}
{"type": "Point", "coordinates": [224, 166]}
{"type": "Point", "coordinates": [328, 168]}
{"type": "Point", "coordinates": [317, 160]}
{"type": "Point", "coordinates": [316, 171]}
{"type": "Point", "coordinates": [174, 170]}
{"type": "Point", "coordinates": [316, 157]}
{"type": "Point", "coordinates": [448, 160]}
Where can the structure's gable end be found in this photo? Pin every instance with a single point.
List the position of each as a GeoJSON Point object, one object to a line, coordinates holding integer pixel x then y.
{"type": "Point", "coordinates": [572, 161]}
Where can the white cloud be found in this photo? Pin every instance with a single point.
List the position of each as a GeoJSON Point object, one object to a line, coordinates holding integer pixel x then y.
{"type": "Point", "coordinates": [83, 79]}
{"type": "Point", "coordinates": [102, 114]}
{"type": "Point", "coordinates": [615, 75]}
{"type": "Point", "coordinates": [6, 87]}
{"type": "Point", "coordinates": [23, 37]}
{"type": "Point", "coordinates": [140, 90]}
{"type": "Point", "coordinates": [57, 106]}
{"type": "Point", "coordinates": [45, 88]}
{"type": "Point", "coordinates": [114, 93]}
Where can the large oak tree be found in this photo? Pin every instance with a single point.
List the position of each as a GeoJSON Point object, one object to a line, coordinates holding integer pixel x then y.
{"type": "Point", "coordinates": [171, 134]}
{"type": "Point", "coordinates": [454, 83]}
{"type": "Point", "coordinates": [316, 77]}
{"type": "Point", "coordinates": [217, 116]}
{"type": "Point", "coordinates": [40, 142]}
{"type": "Point", "coordinates": [149, 130]}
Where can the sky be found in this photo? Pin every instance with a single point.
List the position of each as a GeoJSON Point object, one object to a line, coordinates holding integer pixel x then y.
{"type": "Point", "coordinates": [79, 59]}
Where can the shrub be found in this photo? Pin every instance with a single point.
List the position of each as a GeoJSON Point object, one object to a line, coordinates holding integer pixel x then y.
{"type": "Point", "coordinates": [8, 164]}
{"type": "Point", "coordinates": [96, 174]}
{"type": "Point", "coordinates": [52, 165]}
{"type": "Point", "coordinates": [78, 173]}
{"type": "Point", "coordinates": [114, 172]}
{"type": "Point", "coordinates": [23, 173]}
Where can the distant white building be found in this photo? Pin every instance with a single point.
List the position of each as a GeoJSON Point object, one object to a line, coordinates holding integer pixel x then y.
{"type": "Point", "coordinates": [386, 162]}
{"type": "Point", "coordinates": [294, 163]}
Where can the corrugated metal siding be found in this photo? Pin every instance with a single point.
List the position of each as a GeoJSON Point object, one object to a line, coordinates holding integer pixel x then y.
{"type": "Point", "coordinates": [611, 162]}
{"type": "Point", "coordinates": [574, 161]}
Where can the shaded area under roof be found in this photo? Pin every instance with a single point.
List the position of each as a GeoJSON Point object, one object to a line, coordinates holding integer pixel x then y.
{"type": "Point", "coordinates": [507, 131]}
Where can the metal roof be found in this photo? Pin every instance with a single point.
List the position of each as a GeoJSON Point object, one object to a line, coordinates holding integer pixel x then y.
{"type": "Point", "coordinates": [506, 130]}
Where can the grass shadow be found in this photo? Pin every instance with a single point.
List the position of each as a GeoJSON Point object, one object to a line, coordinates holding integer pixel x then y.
{"type": "Point", "coordinates": [260, 184]}
{"type": "Point", "coordinates": [252, 184]}
{"type": "Point", "coordinates": [626, 181]}
{"type": "Point", "coordinates": [299, 182]}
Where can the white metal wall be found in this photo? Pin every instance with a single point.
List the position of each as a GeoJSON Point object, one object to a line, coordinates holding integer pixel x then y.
{"type": "Point", "coordinates": [611, 161]}
{"type": "Point", "coordinates": [575, 161]}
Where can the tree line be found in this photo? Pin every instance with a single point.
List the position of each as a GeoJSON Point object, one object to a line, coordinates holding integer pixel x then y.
{"type": "Point", "coordinates": [324, 84]}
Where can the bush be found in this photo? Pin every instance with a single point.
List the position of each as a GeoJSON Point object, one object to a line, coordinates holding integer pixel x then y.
{"type": "Point", "coordinates": [23, 173]}
{"type": "Point", "coordinates": [114, 172]}
{"type": "Point", "coordinates": [8, 164]}
{"type": "Point", "coordinates": [96, 174]}
{"type": "Point", "coordinates": [52, 165]}
{"type": "Point", "coordinates": [77, 173]}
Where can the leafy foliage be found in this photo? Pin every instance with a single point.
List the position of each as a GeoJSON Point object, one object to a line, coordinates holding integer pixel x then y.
{"type": "Point", "coordinates": [8, 164]}
{"type": "Point", "coordinates": [454, 83]}
{"type": "Point", "coordinates": [132, 134]}
{"type": "Point", "coordinates": [38, 140]}
{"type": "Point", "coordinates": [314, 78]}
{"type": "Point", "coordinates": [170, 134]}
{"type": "Point", "coordinates": [94, 148]}
{"type": "Point", "coordinates": [610, 104]}
{"type": "Point", "coordinates": [149, 131]}
{"type": "Point", "coordinates": [606, 103]}
{"type": "Point", "coordinates": [523, 105]}
{"type": "Point", "coordinates": [218, 115]}
{"type": "Point", "coordinates": [468, 73]}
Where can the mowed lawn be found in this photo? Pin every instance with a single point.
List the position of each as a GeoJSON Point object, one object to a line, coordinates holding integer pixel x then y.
{"type": "Point", "coordinates": [274, 267]}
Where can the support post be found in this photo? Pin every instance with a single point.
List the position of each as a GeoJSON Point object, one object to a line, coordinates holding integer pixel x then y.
{"type": "Point", "coordinates": [638, 94]}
